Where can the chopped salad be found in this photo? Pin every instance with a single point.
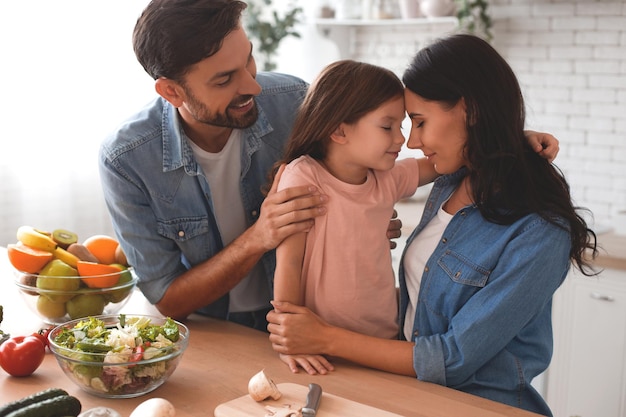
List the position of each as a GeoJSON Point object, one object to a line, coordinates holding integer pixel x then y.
{"type": "Point", "coordinates": [122, 347]}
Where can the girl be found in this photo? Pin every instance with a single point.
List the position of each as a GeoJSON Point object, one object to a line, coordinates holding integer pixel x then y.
{"type": "Point", "coordinates": [345, 141]}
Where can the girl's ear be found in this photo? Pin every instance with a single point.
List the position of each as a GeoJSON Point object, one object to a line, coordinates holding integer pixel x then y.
{"type": "Point", "coordinates": [170, 90]}
{"type": "Point", "coordinates": [339, 135]}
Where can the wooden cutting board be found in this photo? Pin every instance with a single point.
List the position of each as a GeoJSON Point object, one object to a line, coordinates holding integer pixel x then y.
{"type": "Point", "coordinates": [294, 395]}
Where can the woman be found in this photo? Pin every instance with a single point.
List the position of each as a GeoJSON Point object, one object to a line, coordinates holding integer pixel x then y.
{"type": "Point", "coordinates": [496, 240]}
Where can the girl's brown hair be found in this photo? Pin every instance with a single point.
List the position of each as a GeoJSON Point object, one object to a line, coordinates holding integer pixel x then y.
{"type": "Point", "coordinates": [343, 92]}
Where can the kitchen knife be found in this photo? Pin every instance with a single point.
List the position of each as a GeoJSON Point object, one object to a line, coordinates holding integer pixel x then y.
{"type": "Point", "coordinates": [312, 401]}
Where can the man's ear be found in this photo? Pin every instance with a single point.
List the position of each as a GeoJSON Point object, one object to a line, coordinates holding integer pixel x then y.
{"type": "Point", "coordinates": [170, 90]}
{"type": "Point", "coordinates": [339, 135]}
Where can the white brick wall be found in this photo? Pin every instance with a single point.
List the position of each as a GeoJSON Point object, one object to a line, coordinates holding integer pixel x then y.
{"type": "Point", "coordinates": [391, 46]}
{"type": "Point", "coordinates": [575, 87]}
{"type": "Point", "coordinates": [570, 58]}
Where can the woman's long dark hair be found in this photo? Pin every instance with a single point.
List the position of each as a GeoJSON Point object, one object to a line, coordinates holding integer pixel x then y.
{"type": "Point", "coordinates": [508, 179]}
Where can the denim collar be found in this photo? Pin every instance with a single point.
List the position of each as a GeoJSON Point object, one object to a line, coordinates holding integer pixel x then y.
{"type": "Point", "coordinates": [176, 150]}
{"type": "Point", "coordinates": [452, 179]}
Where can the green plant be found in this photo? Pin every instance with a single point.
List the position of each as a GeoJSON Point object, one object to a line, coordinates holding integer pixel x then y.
{"type": "Point", "coordinates": [474, 17]}
{"type": "Point", "coordinates": [269, 33]}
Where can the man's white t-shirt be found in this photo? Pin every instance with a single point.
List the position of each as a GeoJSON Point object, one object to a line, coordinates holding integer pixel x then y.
{"type": "Point", "coordinates": [223, 173]}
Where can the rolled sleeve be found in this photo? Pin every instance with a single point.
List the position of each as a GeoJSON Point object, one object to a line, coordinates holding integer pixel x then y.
{"type": "Point", "coordinates": [428, 360]}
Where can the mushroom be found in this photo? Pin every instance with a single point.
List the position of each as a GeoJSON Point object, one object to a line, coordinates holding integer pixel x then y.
{"type": "Point", "coordinates": [100, 412]}
{"type": "Point", "coordinates": [261, 387]}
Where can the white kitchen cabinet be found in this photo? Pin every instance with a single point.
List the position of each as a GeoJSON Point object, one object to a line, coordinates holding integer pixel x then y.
{"type": "Point", "coordinates": [587, 377]}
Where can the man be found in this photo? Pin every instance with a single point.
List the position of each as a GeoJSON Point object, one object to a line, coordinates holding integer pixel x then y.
{"type": "Point", "coordinates": [183, 177]}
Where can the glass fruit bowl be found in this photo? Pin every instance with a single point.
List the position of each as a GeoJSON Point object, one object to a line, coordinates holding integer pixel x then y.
{"type": "Point", "coordinates": [119, 356]}
{"type": "Point", "coordinates": [58, 299]}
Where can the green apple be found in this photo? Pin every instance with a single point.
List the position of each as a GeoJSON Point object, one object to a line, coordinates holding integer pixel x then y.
{"type": "Point", "coordinates": [59, 280]}
{"type": "Point", "coordinates": [84, 305]}
{"type": "Point", "coordinates": [50, 309]}
{"type": "Point", "coordinates": [126, 276]}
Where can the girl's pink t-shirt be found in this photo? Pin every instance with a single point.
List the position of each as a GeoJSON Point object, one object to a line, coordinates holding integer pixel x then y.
{"type": "Point", "coordinates": [347, 275]}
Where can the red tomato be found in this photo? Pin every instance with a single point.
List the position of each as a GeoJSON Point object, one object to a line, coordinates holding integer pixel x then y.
{"type": "Point", "coordinates": [137, 355]}
{"type": "Point", "coordinates": [22, 355]}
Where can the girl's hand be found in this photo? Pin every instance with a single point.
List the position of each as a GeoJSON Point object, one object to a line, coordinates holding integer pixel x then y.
{"type": "Point", "coordinates": [544, 144]}
{"type": "Point", "coordinates": [312, 364]}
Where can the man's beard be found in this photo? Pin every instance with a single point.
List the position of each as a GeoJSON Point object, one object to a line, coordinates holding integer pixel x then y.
{"type": "Point", "coordinates": [203, 115]}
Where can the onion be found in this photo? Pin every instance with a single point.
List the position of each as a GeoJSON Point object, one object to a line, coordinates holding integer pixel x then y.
{"type": "Point", "coordinates": [154, 407]}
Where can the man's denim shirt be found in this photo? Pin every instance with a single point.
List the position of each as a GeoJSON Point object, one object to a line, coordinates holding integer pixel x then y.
{"type": "Point", "coordinates": [159, 199]}
{"type": "Point", "coordinates": [483, 322]}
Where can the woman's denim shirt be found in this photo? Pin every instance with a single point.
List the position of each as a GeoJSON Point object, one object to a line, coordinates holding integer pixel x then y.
{"type": "Point", "coordinates": [159, 199]}
{"type": "Point", "coordinates": [483, 320]}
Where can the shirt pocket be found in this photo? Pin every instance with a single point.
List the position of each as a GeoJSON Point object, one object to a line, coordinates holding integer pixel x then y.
{"type": "Point", "coordinates": [183, 229]}
{"type": "Point", "coordinates": [462, 270]}
{"type": "Point", "coordinates": [453, 281]}
{"type": "Point", "coordinates": [193, 236]}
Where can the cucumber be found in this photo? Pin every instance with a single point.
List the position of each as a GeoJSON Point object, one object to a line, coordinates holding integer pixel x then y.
{"type": "Point", "coordinates": [62, 406]}
{"type": "Point", "coordinates": [31, 399]}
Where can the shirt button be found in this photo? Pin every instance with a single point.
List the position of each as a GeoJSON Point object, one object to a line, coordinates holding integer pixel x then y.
{"type": "Point", "coordinates": [181, 233]}
{"type": "Point", "coordinates": [254, 213]}
{"type": "Point", "coordinates": [457, 274]}
{"type": "Point", "coordinates": [444, 240]}
{"type": "Point", "coordinates": [426, 269]}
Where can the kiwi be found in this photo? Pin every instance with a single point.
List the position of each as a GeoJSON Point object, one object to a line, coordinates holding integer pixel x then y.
{"type": "Point", "coordinates": [81, 252]}
{"type": "Point", "coordinates": [64, 238]}
{"type": "Point", "coordinates": [29, 280]}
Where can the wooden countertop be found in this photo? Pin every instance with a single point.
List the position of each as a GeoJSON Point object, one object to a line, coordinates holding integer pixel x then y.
{"type": "Point", "coordinates": [612, 251]}
{"type": "Point", "coordinates": [219, 361]}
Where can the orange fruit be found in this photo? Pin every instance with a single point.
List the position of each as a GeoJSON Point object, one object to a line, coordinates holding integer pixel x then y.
{"type": "Point", "coordinates": [27, 259]}
{"type": "Point", "coordinates": [96, 275]}
{"type": "Point", "coordinates": [102, 247]}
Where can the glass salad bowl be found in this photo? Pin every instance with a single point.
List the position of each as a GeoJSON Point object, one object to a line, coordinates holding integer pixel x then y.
{"type": "Point", "coordinates": [119, 356]}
